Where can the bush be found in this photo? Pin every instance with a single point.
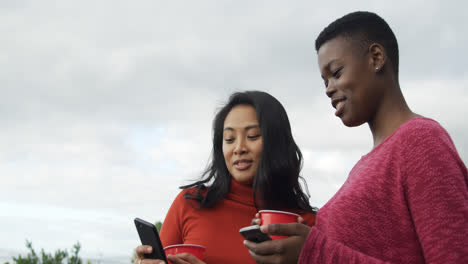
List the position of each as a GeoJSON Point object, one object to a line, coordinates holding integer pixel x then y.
{"type": "Point", "coordinates": [59, 257]}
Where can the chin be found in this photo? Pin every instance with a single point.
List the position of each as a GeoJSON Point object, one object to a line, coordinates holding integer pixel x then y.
{"type": "Point", "coordinates": [351, 122]}
{"type": "Point", "coordinates": [243, 179]}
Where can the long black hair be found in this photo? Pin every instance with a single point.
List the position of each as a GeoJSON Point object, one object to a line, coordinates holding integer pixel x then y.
{"type": "Point", "coordinates": [276, 183]}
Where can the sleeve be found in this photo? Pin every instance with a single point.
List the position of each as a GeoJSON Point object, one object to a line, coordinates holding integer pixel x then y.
{"type": "Point", "coordinates": [437, 198]}
{"type": "Point", "coordinates": [437, 195]}
{"type": "Point", "coordinates": [319, 249]}
{"type": "Point", "coordinates": [172, 229]}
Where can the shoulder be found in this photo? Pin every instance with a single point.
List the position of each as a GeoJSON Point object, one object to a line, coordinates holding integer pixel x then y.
{"type": "Point", "coordinates": [421, 133]}
{"type": "Point", "coordinates": [191, 198]}
{"type": "Point", "coordinates": [420, 128]}
{"type": "Point", "coordinates": [186, 196]}
{"type": "Point", "coordinates": [427, 147]}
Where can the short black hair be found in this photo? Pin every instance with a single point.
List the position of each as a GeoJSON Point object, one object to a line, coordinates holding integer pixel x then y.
{"type": "Point", "coordinates": [365, 28]}
{"type": "Point", "coordinates": [276, 183]}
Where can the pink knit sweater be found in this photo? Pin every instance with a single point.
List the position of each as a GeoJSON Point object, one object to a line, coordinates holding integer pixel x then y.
{"type": "Point", "coordinates": [404, 202]}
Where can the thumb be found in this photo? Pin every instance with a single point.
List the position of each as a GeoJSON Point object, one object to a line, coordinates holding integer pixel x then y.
{"type": "Point", "coordinates": [290, 229]}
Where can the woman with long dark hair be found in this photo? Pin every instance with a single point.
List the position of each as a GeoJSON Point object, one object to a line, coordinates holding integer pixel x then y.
{"type": "Point", "coordinates": [255, 165]}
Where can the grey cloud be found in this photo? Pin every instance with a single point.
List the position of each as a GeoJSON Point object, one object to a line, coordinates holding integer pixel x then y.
{"type": "Point", "coordinates": [108, 105]}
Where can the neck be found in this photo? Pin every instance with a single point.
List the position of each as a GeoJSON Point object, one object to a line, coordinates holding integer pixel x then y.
{"type": "Point", "coordinates": [391, 114]}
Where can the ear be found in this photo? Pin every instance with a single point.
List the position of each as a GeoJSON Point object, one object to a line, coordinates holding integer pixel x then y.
{"type": "Point", "coordinates": [378, 57]}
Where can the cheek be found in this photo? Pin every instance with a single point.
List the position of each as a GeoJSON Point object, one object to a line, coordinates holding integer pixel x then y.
{"type": "Point", "coordinates": [258, 149]}
{"type": "Point", "coordinates": [227, 152]}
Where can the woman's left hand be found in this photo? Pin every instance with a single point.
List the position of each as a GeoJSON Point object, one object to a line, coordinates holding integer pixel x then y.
{"type": "Point", "coordinates": [285, 250]}
{"type": "Point", "coordinates": [184, 258]}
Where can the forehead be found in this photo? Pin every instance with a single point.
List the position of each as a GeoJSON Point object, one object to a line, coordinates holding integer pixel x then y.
{"type": "Point", "coordinates": [335, 49]}
{"type": "Point", "coordinates": [241, 116]}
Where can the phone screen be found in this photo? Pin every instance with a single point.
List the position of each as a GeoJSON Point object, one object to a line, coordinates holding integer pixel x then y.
{"type": "Point", "coordinates": [253, 233]}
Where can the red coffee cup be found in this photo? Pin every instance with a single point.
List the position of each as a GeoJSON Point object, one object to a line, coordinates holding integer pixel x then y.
{"type": "Point", "coordinates": [195, 250]}
{"type": "Point", "coordinates": [268, 217]}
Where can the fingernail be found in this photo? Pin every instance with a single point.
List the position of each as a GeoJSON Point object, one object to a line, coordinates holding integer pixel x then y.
{"type": "Point", "coordinates": [148, 249]}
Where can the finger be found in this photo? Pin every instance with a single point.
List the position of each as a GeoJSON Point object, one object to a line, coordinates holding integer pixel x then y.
{"type": "Point", "coordinates": [176, 260]}
{"type": "Point", "coordinates": [301, 220]}
{"type": "Point", "coordinates": [290, 229]}
{"type": "Point", "coordinates": [265, 248]}
{"type": "Point", "coordinates": [270, 259]}
{"type": "Point", "coordinates": [189, 258]}
{"type": "Point", "coordinates": [149, 261]}
{"type": "Point", "coordinates": [143, 249]}
{"type": "Point", "coordinates": [256, 221]}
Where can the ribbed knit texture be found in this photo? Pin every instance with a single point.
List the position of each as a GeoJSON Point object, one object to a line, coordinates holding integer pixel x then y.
{"type": "Point", "coordinates": [404, 202]}
{"type": "Point", "coordinates": [215, 228]}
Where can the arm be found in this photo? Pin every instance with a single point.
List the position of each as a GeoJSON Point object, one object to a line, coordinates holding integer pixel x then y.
{"type": "Point", "coordinates": [435, 186]}
{"type": "Point", "coordinates": [317, 249]}
{"type": "Point", "coordinates": [437, 196]}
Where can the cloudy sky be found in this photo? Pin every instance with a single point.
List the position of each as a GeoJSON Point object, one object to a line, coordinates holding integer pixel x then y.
{"type": "Point", "coordinates": [106, 106]}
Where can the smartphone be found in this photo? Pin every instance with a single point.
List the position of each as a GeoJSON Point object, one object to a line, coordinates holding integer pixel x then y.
{"type": "Point", "coordinates": [149, 236]}
{"type": "Point", "coordinates": [253, 233]}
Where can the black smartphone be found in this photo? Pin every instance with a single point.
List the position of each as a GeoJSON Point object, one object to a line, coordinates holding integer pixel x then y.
{"type": "Point", "coordinates": [253, 233]}
{"type": "Point", "coordinates": [149, 236]}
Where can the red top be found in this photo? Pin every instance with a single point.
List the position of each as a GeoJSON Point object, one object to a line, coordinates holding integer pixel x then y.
{"type": "Point", "coordinates": [215, 228]}
{"type": "Point", "coordinates": [404, 202]}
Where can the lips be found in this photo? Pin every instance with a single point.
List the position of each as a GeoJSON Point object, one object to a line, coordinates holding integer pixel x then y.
{"type": "Point", "coordinates": [338, 104]}
{"type": "Point", "coordinates": [335, 101]}
{"type": "Point", "coordinates": [242, 164]}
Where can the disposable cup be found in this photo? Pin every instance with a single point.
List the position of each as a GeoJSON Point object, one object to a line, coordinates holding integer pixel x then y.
{"type": "Point", "coordinates": [268, 217]}
{"type": "Point", "coordinates": [195, 250]}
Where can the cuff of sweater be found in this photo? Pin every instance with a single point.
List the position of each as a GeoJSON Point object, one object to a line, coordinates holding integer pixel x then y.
{"type": "Point", "coordinates": [315, 242]}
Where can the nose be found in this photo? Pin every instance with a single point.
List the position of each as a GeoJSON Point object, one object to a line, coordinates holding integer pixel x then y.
{"type": "Point", "coordinates": [240, 147]}
{"type": "Point", "coordinates": [331, 89]}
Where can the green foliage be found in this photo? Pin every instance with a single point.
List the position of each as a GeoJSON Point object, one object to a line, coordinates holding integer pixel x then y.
{"type": "Point", "coordinates": [158, 225]}
{"type": "Point", "coordinates": [59, 257]}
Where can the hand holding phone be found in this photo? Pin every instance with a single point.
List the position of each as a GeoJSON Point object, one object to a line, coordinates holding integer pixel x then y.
{"type": "Point", "coordinates": [253, 233]}
{"type": "Point", "coordinates": [149, 236]}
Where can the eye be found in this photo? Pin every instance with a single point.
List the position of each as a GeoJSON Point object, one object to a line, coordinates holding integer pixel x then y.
{"type": "Point", "coordinates": [253, 137]}
{"type": "Point", "coordinates": [229, 140]}
{"type": "Point", "coordinates": [337, 73]}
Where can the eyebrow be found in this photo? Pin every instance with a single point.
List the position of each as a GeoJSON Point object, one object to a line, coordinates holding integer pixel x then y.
{"type": "Point", "coordinates": [246, 128]}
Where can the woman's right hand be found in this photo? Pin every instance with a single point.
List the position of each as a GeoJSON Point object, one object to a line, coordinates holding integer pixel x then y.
{"type": "Point", "coordinates": [141, 251]}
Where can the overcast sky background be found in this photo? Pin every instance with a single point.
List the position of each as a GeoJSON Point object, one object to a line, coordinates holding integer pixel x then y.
{"type": "Point", "coordinates": [106, 106]}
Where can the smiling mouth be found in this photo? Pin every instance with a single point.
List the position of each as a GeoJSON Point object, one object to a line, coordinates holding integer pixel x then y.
{"type": "Point", "coordinates": [336, 101]}
{"type": "Point", "coordinates": [242, 164]}
{"type": "Point", "coordinates": [338, 104]}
